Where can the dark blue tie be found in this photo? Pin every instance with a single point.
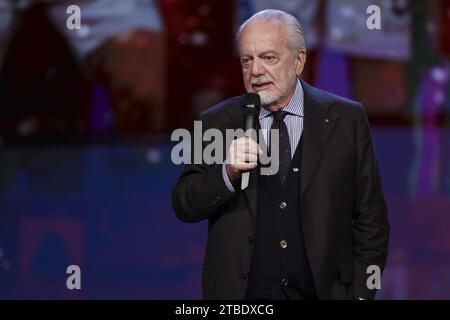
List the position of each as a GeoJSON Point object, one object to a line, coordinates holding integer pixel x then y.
{"type": "Point", "coordinates": [284, 144]}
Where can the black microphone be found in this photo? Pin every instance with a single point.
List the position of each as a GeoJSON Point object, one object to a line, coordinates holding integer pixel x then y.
{"type": "Point", "coordinates": [252, 104]}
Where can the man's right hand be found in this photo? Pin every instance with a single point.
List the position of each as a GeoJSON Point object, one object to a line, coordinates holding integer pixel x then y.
{"type": "Point", "coordinates": [242, 156]}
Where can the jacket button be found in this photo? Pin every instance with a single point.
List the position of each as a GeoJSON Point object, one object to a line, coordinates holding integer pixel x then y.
{"type": "Point", "coordinates": [250, 239]}
{"type": "Point", "coordinates": [283, 205]}
{"type": "Point", "coordinates": [284, 282]}
{"type": "Point", "coordinates": [283, 244]}
{"type": "Point", "coordinates": [244, 275]}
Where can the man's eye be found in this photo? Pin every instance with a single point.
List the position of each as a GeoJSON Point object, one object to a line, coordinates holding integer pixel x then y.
{"type": "Point", "coordinates": [244, 61]}
{"type": "Point", "coordinates": [270, 59]}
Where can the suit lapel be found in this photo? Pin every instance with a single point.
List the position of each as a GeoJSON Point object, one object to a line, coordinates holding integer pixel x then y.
{"type": "Point", "coordinates": [319, 123]}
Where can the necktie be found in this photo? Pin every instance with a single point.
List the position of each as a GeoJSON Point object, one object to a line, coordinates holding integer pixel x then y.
{"type": "Point", "coordinates": [284, 144]}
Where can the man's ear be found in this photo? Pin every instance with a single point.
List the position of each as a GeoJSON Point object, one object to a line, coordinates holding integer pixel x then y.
{"type": "Point", "coordinates": [300, 61]}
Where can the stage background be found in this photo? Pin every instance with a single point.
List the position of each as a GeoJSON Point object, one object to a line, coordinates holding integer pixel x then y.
{"type": "Point", "coordinates": [86, 117]}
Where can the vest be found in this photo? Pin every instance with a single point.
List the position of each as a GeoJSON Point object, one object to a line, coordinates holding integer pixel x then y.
{"type": "Point", "coordinates": [280, 268]}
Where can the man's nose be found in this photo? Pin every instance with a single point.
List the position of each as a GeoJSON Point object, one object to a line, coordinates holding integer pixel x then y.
{"type": "Point", "coordinates": [257, 68]}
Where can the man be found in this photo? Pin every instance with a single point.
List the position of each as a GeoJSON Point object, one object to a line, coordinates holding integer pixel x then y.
{"type": "Point", "coordinates": [312, 230]}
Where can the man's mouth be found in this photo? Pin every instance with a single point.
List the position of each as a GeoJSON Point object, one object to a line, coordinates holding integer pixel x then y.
{"type": "Point", "coordinates": [261, 86]}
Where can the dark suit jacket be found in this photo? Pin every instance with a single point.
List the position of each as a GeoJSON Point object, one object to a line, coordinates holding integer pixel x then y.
{"type": "Point", "coordinates": [344, 214]}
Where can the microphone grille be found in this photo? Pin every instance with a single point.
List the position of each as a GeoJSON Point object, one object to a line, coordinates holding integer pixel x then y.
{"type": "Point", "coordinates": [252, 99]}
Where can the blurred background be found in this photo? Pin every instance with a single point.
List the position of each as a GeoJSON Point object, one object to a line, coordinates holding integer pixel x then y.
{"type": "Point", "coordinates": [86, 117]}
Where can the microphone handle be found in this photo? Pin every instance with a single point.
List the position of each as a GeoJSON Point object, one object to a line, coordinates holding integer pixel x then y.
{"type": "Point", "coordinates": [250, 123]}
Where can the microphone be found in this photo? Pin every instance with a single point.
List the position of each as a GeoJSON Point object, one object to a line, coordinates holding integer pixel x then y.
{"type": "Point", "coordinates": [252, 104]}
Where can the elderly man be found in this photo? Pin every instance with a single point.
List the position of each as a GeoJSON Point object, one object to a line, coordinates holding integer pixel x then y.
{"type": "Point", "coordinates": [319, 226]}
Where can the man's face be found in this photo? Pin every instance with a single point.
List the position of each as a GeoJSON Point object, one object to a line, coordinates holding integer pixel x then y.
{"type": "Point", "coordinates": [269, 67]}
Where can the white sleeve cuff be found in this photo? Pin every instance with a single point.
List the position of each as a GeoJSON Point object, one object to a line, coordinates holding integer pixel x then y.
{"type": "Point", "coordinates": [226, 178]}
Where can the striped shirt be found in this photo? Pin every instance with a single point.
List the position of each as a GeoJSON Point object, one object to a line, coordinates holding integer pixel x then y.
{"type": "Point", "coordinates": [293, 119]}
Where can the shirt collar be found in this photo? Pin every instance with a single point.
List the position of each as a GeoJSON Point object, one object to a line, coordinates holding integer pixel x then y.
{"type": "Point", "coordinates": [294, 107]}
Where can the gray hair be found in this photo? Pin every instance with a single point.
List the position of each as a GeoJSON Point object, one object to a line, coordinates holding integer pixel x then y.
{"type": "Point", "coordinates": [294, 31]}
